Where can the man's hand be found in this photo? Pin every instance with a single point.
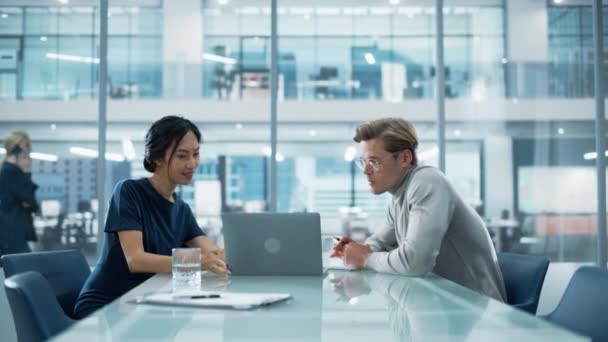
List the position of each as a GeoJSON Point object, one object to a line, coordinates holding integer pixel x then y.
{"type": "Point", "coordinates": [214, 262]}
{"type": "Point", "coordinates": [338, 250]}
{"type": "Point", "coordinates": [356, 254]}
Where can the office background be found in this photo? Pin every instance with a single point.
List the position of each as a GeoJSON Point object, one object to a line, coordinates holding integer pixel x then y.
{"type": "Point", "coordinates": [519, 107]}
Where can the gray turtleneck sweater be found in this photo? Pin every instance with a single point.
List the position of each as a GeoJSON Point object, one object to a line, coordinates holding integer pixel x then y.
{"type": "Point", "coordinates": [430, 228]}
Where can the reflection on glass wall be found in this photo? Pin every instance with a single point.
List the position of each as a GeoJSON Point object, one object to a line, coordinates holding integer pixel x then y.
{"type": "Point", "coordinates": [326, 52]}
{"type": "Point", "coordinates": [371, 52]}
{"type": "Point", "coordinates": [135, 52]}
{"type": "Point", "coordinates": [54, 52]}
{"type": "Point", "coordinates": [571, 50]}
{"type": "Point", "coordinates": [538, 184]}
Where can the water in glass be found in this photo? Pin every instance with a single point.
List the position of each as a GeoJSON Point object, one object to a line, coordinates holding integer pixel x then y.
{"type": "Point", "coordinates": [186, 269]}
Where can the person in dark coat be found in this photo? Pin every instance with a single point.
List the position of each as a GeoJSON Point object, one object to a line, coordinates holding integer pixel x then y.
{"type": "Point", "coordinates": [17, 195]}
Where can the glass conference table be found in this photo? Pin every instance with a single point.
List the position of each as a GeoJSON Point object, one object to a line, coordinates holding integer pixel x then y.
{"type": "Point", "coordinates": [338, 306]}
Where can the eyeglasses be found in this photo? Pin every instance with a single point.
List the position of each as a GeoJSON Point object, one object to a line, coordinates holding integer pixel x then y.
{"type": "Point", "coordinates": [374, 163]}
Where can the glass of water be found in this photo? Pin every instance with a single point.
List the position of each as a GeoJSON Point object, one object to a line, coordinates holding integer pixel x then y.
{"type": "Point", "coordinates": [186, 264]}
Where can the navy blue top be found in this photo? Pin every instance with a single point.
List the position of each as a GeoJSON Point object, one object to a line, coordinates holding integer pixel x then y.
{"type": "Point", "coordinates": [16, 223]}
{"type": "Point", "coordinates": [135, 205]}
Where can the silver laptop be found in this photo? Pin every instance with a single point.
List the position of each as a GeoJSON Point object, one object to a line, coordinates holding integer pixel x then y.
{"type": "Point", "coordinates": [273, 243]}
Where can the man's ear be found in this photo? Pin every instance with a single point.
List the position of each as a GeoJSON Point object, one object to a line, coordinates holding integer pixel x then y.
{"type": "Point", "coordinates": [407, 158]}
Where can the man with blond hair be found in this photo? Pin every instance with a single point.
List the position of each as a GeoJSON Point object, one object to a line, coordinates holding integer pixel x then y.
{"type": "Point", "coordinates": [429, 228]}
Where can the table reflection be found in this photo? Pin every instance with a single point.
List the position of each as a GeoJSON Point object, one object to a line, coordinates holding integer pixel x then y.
{"type": "Point", "coordinates": [417, 310]}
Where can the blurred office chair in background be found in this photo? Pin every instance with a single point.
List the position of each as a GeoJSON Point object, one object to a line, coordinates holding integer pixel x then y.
{"type": "Point", "coordinates": [584, 305]}
{"type": "Point", "coordinates": [524, 276]}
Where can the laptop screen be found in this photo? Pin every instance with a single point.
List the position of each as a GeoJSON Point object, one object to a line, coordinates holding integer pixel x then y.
{"type": "Point", "coordinates": [273, 243]}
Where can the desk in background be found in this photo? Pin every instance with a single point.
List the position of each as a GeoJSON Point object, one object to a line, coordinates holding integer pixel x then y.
{"type": "Point", "coordinates": [358, 306]}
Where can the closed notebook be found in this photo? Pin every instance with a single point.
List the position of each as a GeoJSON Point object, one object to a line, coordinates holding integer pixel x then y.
{"type": "Point", "coordinates": [232, 300]}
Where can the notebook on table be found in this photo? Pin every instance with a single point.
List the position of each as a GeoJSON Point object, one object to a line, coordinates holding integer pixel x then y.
{"type": "Point", "coordinates": [229, 300]}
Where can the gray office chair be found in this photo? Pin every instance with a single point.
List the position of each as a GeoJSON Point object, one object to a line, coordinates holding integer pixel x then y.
{"type": "Point", "coordinates": [524, 276]}
{"type": "Point", "coordinates": [36, 311]}
{"type": "Point", "coordinates": [584, 306]}
{"type": "Point", "coordinates": [66, 272]}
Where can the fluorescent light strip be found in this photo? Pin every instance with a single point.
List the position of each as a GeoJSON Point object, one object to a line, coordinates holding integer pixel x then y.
{"type": "Point", "coordinates": [249, 11]}
{"type": "Point", "coordinates": [593, 155]}
{"type": "Point", "coordinates": [128, 149]}
{"type": "Point", "coordinates": [115, 157]}
{"type": "Point", "coordinates": [85, 152]}
{"type": "Point", "coordinates": [44, 156]}
{"type": "Point", "coordinates": [72, 58]}
{"type": "Point", "coordinates": [219, 59]}
{"type": "Point", "coordinates": [301, 10]}
{"type": "Point", "coordinates": [327, 11]}
{"type": "Point", "coordinates": [37, 155]}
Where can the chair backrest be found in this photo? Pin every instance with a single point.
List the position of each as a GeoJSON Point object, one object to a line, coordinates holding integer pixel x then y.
{"type": "Point", "coordinates": [66, 271]}
{"type": "Point", "coordinates": [523, 276]}
{"type": "Point", "coordinates": [584, 306]}
{"type": "Point", "coordinates": [35, 309]}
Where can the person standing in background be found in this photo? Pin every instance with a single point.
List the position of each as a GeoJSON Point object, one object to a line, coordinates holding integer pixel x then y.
{"type": "Point", "coordinates": [17, 195]}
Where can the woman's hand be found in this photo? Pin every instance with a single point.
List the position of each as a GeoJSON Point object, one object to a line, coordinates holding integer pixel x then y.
{"type": "Point", "coordinates": [220, 254]}
{"type": "Point", "coordinates": [214, 261]}
{"type": "Point", "coordinates": [213, 258]}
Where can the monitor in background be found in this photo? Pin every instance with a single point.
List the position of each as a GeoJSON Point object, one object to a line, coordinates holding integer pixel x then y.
{"type": "Point", "coordinates": [50, 208]}
{"type": "Point", "coordinates": [326, 73]}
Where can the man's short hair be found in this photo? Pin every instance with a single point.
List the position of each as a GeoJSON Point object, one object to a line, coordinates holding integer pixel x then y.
{"type": "Point", "coordinates": [397, 134]}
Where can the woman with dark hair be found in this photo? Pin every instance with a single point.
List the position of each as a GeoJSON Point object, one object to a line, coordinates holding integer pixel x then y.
{"type": "Point", "coordinates": [146, 219]}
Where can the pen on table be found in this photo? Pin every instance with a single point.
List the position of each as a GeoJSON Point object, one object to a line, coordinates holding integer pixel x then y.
{"type": "Point", "coordinates": [197, 296]}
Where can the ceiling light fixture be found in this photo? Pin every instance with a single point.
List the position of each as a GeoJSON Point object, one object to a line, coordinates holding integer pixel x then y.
{"type": "Point", "coordinates": [219, 59]}
{"type": "Point", "coordinates": [72, 58]}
